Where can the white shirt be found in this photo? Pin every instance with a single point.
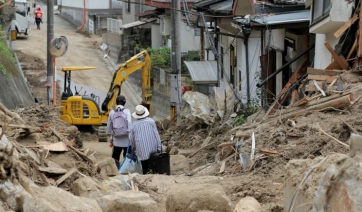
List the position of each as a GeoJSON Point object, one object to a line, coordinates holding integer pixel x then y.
{"type": "Point", "coordinates": [144, 136]}
{"type": "Point", "coordinates": [121, 141]}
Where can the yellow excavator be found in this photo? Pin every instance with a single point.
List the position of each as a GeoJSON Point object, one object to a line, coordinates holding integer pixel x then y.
{"type": "Point", "coordinates": [84, 112]}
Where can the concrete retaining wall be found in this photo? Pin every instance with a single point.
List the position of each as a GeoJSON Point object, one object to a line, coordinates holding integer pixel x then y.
{"type": "Point", "coordinates": [74, 16]}
{"type": "Point", "coordinates": [114, 42]}
{"type": "Point", "coordinates": [161, 92]}
{"type": "Point", "coordinates": [13, 88]}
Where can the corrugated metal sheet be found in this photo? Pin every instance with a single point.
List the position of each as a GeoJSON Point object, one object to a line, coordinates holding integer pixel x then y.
{"type": "Point", "coordinates": [287, 18]}
{"type": "Point", "coordinates": [222, 6]}
{"type": "Point", "coordinates": [138, 23]}
{"type": "Point", "coordinates": [202, 72]}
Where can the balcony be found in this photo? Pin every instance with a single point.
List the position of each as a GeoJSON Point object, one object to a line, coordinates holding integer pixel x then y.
{"type": "Point", "coordinates": [167, 3]}
{"type": "Point", "coordinates": [327, 16]}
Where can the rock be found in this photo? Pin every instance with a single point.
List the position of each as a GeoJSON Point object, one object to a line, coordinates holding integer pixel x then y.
{"type": "Point", "coordinates": [179, 164]}
{"type": "Point", "coordinates": [125, 201]}
{"type": "Point", "coordinates": [193, 198]}
{"type": "Point", "coordinates": [1, 208]}
{"type": "Point", "coordinates": [174, 151]}
{"type": "Point", "coordinates": [340, 186]}
{"type": "Point", "coordinates": [87, 187]}
{"type": "Point", "coordinates": [51, 198]}
{"type": "Point", "coordinates": [7, 194]}
{"type": "Point", "coordinates": [108, 166]}
{"type": "Point", "coordinates": [248, 204]}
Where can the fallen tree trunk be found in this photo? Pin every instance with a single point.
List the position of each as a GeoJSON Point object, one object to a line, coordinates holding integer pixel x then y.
{"type": "Point", "coordinates": [333, 103]}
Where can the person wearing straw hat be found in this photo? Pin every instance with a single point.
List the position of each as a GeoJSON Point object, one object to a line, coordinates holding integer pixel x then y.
{"type": "Point", "coordinates": [144, 136]}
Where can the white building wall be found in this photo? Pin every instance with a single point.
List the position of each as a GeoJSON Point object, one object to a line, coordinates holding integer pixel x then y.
{"type": "Point", "coordinates": [156, 36]}
{"type": "Point", "coordinates": [189, 42]}
{"type": "Point", "coordinates": [224, 43]}
{"type": "Point", "coordinates": [322, 56]}
{"type": "Point", "coordinates": [276, 41]}
{"type": "Point", "coordinates": [254, 65]}
{"type": "Point", "coordinates": [90, 4]}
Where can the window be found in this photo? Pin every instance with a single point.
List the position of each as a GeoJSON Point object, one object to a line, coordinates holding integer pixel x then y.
{"type": "Point", "coordinates": [197, 32]}
{"type": "Point", "coordinates": [20, 9]}
{"type": "Point", "coordinates": [128, 6]}
{"type": "Point", "coordinates": [321, 10]}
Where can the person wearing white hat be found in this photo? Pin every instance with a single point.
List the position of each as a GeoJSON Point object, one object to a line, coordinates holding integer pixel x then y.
{"type": "Point", "coordinates": [144, 136]}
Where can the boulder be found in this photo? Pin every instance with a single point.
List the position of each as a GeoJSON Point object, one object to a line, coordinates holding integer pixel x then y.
{"type": "Point", "coordinates": [8, 190]}
{"type": "Point", "coordinates": [248, 204]}
{"type": "Point", "coordinates": [125, 201]}
{"type": "Point", "coordinates": [88, 187]}
{"type": "Point", "coordinates": [340, 186]}
{"type": "Point", "coordinates": [194, 198]}
{"type": "Point", "coordinates": [108, 166]}
{"type": "Point", "coordinates": [2, 209]}
{"type": "Point", "coordinates": [179, 164]}
{"type": "Point", "coordinates": [35, 198]}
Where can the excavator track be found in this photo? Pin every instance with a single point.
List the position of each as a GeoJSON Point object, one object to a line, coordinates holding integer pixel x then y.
{"type": "Point", "coordinates": [102, 135]}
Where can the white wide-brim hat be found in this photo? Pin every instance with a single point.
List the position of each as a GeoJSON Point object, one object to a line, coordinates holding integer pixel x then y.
{"type": "Point", "coordinates": [140, 112]}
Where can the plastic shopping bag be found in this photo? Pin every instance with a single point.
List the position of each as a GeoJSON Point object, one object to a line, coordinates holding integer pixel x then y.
{"type": "Point", "coordinates": [130, 164]}
{"type": "Point", "coordinates": [31, 19]}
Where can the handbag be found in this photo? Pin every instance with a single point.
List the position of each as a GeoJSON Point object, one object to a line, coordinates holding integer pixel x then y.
{"type": "Point", "coordinates": [130, 164]}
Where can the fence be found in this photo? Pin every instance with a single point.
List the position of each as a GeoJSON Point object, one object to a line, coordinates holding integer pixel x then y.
{"type": "Point", "coordinates": [114, 25]}
{"type": "Point", "coordinates": [91, 26]}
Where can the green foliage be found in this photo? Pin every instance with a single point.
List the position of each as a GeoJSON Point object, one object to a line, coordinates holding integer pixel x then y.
{"type": "Point", "coordinates": [133, 43]}
{"type": "Point", "coordinates": [4, 50]}
{"type": "Point", "coordinates": [193, 56]}
{"type": "Point", "coordinates": [160, 57]}
{"type": "Point", "coordinates": [251, 108]}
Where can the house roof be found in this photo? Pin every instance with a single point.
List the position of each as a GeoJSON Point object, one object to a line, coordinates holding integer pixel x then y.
{"type": "Point", "coordinates": [278, 19]}
{"type": "Point", "coordinates": [138, 23]}
{"type": "Point", "coordinates": [202, 72]}
{"type": "Point", "coordinates": [149, 13]}
{"type": "Point", "coordinates": [214, 6]}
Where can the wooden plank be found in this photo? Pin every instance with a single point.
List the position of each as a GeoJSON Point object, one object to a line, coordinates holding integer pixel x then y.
{"type": "Point", "coordinates": [333, 65]}
{"type": "Point", "coordinates": [314, 71]}
{"type": "Point", "coordinates": [346, 25]}
{"type": "Point", "coordinates": [340, 59]}
{"type": "Point", "coordinates": [300, 71]}
{"type": "Point", "coordinates": [352, 49]}
{"type": "Point", "coordinates": [64, 177]}
{"type": "Point", "coordinates": [328, 79]}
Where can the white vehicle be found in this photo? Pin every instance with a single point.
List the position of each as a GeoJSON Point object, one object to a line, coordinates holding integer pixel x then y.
{"type": "Point", "coordinates": [23, 17]}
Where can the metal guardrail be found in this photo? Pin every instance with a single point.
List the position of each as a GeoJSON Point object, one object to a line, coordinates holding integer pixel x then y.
{"type": "Point", "coordinates": [114, 25]}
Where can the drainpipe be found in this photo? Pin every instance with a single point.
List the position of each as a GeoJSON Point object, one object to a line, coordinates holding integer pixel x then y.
{"type": "Point", "coordinates": [84, 17]}
{"type": "Point", "coordinates": [247, 32]}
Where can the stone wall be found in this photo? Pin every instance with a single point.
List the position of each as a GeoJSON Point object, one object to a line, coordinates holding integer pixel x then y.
{"type": "Point", "coordinates": [13, 87]}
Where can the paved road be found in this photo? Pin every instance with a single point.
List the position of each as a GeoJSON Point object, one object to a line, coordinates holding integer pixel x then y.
{"type": "Point", "coordinates": [82, 51]}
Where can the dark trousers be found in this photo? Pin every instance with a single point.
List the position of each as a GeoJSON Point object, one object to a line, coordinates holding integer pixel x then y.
{"type": "Point", "coordinates": [146, 166]}
{"type": "Point", "coordinates": [117, 153]}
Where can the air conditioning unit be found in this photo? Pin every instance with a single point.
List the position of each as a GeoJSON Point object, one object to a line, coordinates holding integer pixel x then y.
{"type": "Point", "coordinates": [165, 25]}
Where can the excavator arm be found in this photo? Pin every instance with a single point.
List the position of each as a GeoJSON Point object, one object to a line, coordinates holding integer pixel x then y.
{"type": "Point", "coordinates": [140, 61]}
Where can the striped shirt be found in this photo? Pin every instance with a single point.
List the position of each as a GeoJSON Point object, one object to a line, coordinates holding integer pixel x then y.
{"type": "Point", "coordinates": [121, 141]}
{"type": "Point", "coordinates": [144, 136]}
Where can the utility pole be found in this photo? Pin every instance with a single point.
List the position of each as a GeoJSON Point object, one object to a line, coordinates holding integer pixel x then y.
{"type": "Point", "coordinates": [175, 62]}
{"type": "Point", "coordinates": [50, 36]}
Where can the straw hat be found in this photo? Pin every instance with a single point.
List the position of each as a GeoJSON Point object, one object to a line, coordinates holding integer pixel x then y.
{"type": "Point", "coordinates": [140, 112]}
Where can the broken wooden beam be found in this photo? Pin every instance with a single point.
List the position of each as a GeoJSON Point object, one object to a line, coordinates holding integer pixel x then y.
{"type": "Point", "coordinates": [339, 59]}
{"type": "Point", "coordinates": [345, 26]}
{"type": "Point", "coordinates": [336, 103]}
{"type": "Point", "coordinates": [300, 71]}
{"type": "Point", "coordinates": [315, 71]}
{"type": "Point", "coordinates": [83, 156]}
{"type": "Point", "coordinates": [64, 177]}
{"type": "Point", "coordinates": [328, 79]}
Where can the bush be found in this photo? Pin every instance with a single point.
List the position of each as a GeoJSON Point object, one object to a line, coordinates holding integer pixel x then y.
{"type": "Point", "coordinates": [248, 110]}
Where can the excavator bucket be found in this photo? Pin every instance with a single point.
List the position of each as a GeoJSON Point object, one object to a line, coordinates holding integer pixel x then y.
{"type": "Point", "coordinates": [150, 107]}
